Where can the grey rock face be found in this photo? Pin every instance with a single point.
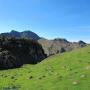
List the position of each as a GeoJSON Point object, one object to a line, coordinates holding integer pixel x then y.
{"type": "Point", "coordinates": [59, 45]}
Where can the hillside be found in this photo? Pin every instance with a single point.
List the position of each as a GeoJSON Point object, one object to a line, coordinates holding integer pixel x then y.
{"type": "Point", "coordinates": [67, 71]}
{"type": "Point", "coordinates": [59, 45]}
{"type": "Point", "coordinates": [16, 52]}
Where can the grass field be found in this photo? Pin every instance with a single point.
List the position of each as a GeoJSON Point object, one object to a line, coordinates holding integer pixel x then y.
{"type": "Point", "coordinates": [69, 71]}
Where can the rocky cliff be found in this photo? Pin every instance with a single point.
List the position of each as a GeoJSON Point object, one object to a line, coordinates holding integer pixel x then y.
{"type": "Point", "coordinates": [59, 45]}
{"type": "Point", "coordinates": [16, 52]}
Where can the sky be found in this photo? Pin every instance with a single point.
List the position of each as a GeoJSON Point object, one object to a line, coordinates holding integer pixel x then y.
{"type": "Point", "coordinates": [68, 19]}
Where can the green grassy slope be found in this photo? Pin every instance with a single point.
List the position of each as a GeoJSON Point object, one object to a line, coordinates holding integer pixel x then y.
{"type": "Point", "coordinates": [69, 71]}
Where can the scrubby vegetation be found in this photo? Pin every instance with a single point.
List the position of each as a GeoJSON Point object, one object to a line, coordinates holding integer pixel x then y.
{"type": "Point", "coordinates": [67, 71]}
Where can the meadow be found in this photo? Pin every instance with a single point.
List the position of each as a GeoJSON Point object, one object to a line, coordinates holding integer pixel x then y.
{"type": "Point", "coordinates": [67, 71]}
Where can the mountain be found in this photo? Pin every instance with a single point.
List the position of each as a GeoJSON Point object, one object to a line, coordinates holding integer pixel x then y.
{"type": "Point", "coordinates": [67, 71]}
{"type": "Point", "coordinates": [50, 47]}
{"type": "Point", "coordinates": [24, 34]}
{"type": "Point", "coordinates": [59, 45]}
{"type": "Point", "coordinates": [16, 52]}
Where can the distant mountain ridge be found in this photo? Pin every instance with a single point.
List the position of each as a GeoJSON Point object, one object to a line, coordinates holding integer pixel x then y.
{"type": "Point", "coordinates": [58, 45]}
{"type": "Point", "coordinates": [25, 34]}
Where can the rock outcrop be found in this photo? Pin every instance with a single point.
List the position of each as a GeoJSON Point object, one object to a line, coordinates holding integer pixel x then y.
{"type": "Point", "coordinates": [16, 52]}
{"type": "Point", "coordinates": [58, 45]}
